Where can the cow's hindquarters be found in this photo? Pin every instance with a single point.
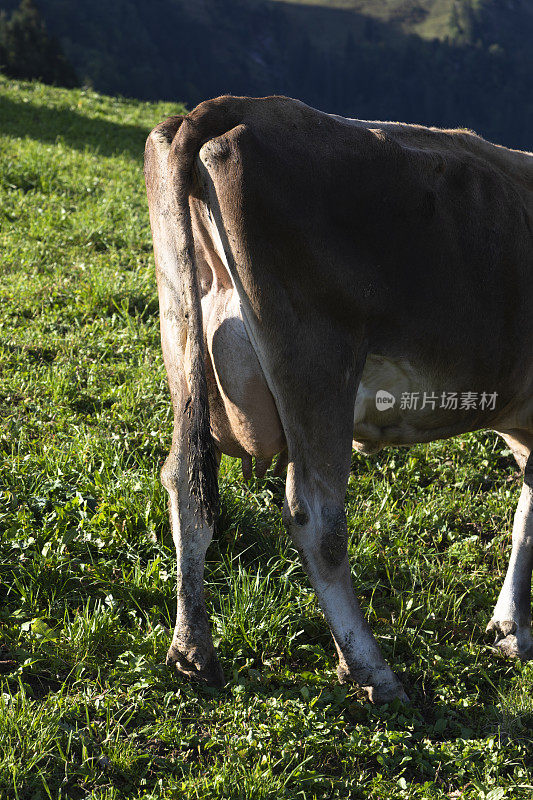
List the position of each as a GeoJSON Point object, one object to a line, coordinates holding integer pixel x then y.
{"type": "Point", "coordinates": [312, 367]}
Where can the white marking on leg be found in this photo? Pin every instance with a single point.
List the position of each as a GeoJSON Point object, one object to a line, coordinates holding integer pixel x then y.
{"type": "Point", "coordinates": [359, 654]}
{"type": "Point", "coordinates": [192, 648]}
{"type": "Point", "coordinates": [512, 614]}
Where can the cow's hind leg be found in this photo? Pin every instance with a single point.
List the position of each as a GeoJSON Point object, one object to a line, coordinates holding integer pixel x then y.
{"type": "Point", "coordinates": [317, 523]}
{"type": "Point", "coordinates": [511, 621]}
{"type": "Point", "coordinates": [192, 651]}
{"type": "Point", "coordinates": [315, 368]}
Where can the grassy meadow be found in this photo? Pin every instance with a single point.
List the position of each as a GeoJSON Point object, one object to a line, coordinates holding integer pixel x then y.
{"type": "Point", "coordinates": [87, 568]}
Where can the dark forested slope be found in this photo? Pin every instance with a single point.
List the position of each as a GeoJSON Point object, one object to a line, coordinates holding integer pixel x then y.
{"type": "Point", "coordinates": [444, 62]}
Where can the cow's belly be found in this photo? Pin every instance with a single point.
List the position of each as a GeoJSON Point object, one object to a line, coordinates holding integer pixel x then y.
{"type": "Point", "coordinates": [397, 404]}
{"type": "Point", "coordinates": [381, 413]}
{"type": "Point", "coordinates": [245, 421]}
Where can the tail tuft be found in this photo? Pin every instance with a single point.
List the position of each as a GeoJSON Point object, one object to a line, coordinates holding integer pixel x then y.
{"type": "Point", "coordinates": [202, 463]}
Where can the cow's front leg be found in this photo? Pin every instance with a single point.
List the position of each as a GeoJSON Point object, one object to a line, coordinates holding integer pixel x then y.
{"type": "Point", "coordinates": [511, 621]}
{"type": "Point", "coordinates": [317, 524]}
{"type": "Point", "coordinates": [192, 651]}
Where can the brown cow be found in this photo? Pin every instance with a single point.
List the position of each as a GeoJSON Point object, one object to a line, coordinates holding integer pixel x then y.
{"type": "Point", "coordinates": [324, 279]}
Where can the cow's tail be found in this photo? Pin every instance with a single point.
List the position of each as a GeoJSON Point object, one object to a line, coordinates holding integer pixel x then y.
{"type": "Point", "coordinates": [208, 120]}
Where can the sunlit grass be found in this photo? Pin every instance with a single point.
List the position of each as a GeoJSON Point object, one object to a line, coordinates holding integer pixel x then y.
{"type": "Point", "coordinates": [87, 568]}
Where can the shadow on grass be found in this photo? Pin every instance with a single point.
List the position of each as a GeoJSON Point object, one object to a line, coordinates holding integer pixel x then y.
{"type": "Point", "coordinates": [74, 129]}
{"type": "Point", "coordinates": [248, 526]}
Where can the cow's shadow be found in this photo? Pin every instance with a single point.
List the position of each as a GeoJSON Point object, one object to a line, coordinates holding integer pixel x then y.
{"type": "Point", "coordinates": [349, 703]}
{"type": "Point", "coordinates": [250, 514]}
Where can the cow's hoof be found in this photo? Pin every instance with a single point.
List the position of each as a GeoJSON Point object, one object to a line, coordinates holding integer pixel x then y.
{"type": "Point", "coordinates": [510, 640]}
{"type": "Point", "coordinates": [192, 665]}
{"type": "Point", "coordinates": [385, 692]}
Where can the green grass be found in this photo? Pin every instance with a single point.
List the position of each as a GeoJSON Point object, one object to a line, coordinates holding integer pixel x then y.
{"type": "Point", "coordinates": [87, 568]}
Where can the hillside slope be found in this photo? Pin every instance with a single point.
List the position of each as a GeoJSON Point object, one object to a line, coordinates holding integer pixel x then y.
{"type": "Point", "coordinates": [440, 19]}
{"type": "Point", "coordinates": [88, 708]}
{"type": "Point", "coordinates": [445, 62]}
